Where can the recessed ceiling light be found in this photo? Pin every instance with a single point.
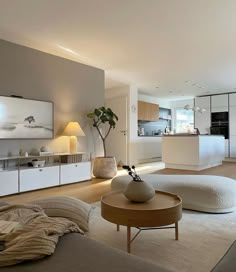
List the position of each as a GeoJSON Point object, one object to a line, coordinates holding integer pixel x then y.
{"type": "Point", "coordinates": [68, 50]}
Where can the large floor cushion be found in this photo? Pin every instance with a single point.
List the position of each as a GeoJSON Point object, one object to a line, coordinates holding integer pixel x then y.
{"type": "Point", "coordinates": [206, 193]}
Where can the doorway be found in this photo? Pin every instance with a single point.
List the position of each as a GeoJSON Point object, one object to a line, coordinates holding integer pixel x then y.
{"type": "Point", "coordinates": [117, 140]}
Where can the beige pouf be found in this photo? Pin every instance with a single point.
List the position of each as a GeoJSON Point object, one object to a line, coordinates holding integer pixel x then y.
{"type": "Point", "coordinates": [206, 193]}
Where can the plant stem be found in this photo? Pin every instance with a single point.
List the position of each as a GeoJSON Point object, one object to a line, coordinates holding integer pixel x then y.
{"type": "Point", "coordinates": [104, 147]}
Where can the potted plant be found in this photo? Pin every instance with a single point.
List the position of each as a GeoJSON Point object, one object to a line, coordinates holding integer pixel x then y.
{"type": "Point", "coordinates": [104, 167]}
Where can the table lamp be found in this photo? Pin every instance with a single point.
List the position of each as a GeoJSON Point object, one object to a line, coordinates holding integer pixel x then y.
{"type": "Point", "coordinates": [73, 130]}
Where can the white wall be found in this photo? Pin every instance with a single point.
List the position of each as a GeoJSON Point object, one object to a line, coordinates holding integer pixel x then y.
{"type": "Point", "coordinates": [74, 88]}
{"type": "Point", "coordinates": [131, 92]}
{"type": "Point", "coordinates": [163, 103]}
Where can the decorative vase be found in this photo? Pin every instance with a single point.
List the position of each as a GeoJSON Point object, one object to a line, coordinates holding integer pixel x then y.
{"type": "Point", "coordinates": [104, 167]}
{"type": "Point", "coordinates": [139, 191]}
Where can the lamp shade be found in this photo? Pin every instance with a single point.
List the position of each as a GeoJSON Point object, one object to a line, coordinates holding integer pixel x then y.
{"type": "Point", "coordinates": [73, 129]}
{"type": "Point", "coordinates": [187, 107]}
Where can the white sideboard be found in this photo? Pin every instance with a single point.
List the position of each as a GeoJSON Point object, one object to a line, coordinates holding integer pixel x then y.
{"type": "Point", "coordinates": [9, 182]}
{"type": "Point", "coordinates": [16, 176]}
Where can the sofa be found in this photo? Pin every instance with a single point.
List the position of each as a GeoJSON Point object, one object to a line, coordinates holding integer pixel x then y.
{"type": "Point", "coordinates": [228, 262]}
{"type": "Point", "coordinates": [76, 252]}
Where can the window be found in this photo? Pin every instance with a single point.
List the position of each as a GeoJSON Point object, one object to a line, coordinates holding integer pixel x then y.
{"type": "Point", "coordinates": [184, 121]}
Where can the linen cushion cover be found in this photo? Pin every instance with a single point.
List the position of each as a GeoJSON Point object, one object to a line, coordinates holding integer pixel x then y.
{"type": "Point", "coordinates": [67, 207]}
{"type": "Point", "coordinates": [3, 203]}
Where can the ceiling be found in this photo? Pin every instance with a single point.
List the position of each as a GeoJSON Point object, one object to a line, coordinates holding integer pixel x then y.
{"type": "Point", "coordinates": [167, 48]}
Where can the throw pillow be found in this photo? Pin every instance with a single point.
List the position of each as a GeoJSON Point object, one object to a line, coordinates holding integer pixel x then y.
{"type": "Point", "coordinates": [68, 207]}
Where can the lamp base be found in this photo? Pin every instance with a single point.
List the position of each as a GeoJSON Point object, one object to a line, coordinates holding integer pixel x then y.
{"type": "Point", "coordinates": [73, 144]}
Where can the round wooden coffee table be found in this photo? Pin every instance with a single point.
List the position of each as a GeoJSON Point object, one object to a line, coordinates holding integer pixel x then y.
{"type": "Point", "coordinates": [162, 210]}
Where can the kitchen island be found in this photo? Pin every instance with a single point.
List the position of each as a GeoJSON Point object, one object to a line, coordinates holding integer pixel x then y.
{"type": "Point", "coordinates": [192, 152]}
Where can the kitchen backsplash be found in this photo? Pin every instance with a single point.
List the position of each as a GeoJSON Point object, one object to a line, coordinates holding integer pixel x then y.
{"type": "Point", "coordinates": [153, 128]}
{"type": "Point", "coordinates": [147, 128]}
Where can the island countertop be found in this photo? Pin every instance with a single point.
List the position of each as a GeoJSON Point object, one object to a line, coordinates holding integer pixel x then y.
{"type": "Point", "coordinates": [191, 135]}
{"type": "Point", "coordinates": [192, 152]}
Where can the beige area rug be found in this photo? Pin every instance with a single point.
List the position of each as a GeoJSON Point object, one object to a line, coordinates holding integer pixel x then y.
{"type": "Point", "coordinates": [227, 169]}
{"type": "Point", "coordinates": [204, 238]}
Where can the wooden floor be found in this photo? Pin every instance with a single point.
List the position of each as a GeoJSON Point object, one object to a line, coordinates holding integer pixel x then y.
{"type": "Point", "coordinates": [227, 169]}
{"type": "Point", "coordinates": [88, 191]}
{"type": "Point", "coordinates": [91, 191]}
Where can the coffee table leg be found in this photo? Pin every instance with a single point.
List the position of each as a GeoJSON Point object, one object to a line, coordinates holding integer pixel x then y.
{"type": "Point", "coordinates": [117, 227]}
{"type": "Point", "coordinates": [176, 231]}
{"type": "Point", "coordinates": [128, 238]}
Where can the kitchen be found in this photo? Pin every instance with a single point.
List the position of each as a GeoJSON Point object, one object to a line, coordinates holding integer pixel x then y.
{"type": "Point", "coordinates": [144, 138]}
{"type": "Point", "coordinates": [216, 119]}
{"type": "Point", "coordinates": [154, 120]}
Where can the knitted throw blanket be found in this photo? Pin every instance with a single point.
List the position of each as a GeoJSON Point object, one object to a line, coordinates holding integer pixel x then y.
{"type": "Point", "coordinates": [35, 237]}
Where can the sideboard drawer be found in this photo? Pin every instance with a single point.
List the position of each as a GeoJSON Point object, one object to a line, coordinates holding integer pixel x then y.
{"type": "Point", "coordinates": [31, 179]}
{"type": "Point", "coordinates": [75, 172]}
{"type": "Point", "coordinates": [8, 182]}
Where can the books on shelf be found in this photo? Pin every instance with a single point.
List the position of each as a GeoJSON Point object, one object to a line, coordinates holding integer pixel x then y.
{"type": "Point", "coordinates": [72, 158]}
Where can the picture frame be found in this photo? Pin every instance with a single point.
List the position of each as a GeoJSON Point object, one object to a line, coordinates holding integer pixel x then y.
{"type": "Point", "coordinates": [22, 118]}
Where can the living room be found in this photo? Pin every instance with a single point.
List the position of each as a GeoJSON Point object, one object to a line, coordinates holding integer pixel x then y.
{"type": "Point", "coordinates": [75, 56]}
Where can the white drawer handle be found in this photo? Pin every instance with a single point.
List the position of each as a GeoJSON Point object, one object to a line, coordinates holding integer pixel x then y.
{"type": "Point", "coordinates": [76, 165]}
{"type": "Point", "coordinates": [40, 170]}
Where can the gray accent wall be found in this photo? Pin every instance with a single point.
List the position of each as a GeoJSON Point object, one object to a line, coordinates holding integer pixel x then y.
{"type": "Point", "coordinates": [74, 88]}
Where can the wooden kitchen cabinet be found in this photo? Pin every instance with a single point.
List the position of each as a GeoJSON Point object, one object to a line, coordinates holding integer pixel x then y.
{"type": "Point", "coordinates": [148, 111]}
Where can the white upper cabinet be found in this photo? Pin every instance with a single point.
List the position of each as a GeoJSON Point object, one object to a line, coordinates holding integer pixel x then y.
{"type": "Point", "coordinates": [232, 100]}
{"type": "Point", "coordinates": [219, 103]}
{"type": "Point", "coordinates": [232, 124]}
{"type": "Point", "coordinates": [203, 120]}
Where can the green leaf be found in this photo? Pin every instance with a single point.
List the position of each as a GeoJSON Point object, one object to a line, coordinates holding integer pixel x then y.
{"type": "Point", "coordinates": [90, 115]}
